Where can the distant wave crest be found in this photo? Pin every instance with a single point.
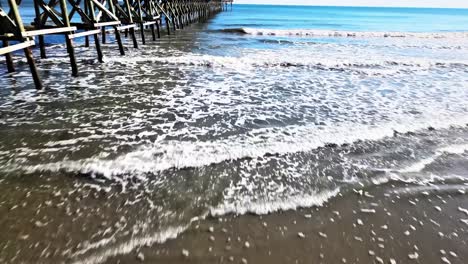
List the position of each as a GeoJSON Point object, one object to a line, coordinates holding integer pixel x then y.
{"type": "Point", "coordinates": [337, 33]}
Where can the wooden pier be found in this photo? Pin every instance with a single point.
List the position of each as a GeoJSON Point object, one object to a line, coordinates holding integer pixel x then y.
{"type": "Point", "coordinates": [96, 19]}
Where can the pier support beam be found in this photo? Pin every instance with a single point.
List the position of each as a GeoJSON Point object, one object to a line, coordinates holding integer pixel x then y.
{"type": "Point", "coordinates": [70, 48]}
{"type": "Point", "coordinates": [8, 58]}
{"type": "Point", "coordinates": [12, 28]}
{"type": "Point", "coordinates": [33, 68]}
{"type": "Point", "coordinates": [88, 18]}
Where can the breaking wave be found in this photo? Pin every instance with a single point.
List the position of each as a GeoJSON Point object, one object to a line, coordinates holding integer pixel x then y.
{"type": "Point", "coordinates": [266, 207]}
{"type": "Point", "coordinates": [377, 64]}
{"type": "Point", "coordinates": [165, 155]}
{"type": "Point", "coordinates": [346, 34]}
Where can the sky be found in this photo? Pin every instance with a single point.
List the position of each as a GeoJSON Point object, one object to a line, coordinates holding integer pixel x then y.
{"type": "Point", "coordinates": [398, 3]}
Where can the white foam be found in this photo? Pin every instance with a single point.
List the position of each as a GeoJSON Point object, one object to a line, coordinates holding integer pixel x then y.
{"type": "Point", "coordinates": [366, 34]}
{"type": "Point", "coordinates": [454, 149]}
{"type": "Point", "coordinates": [372, 63]}
{"type": "Point", "coordinates": [163, 155]}
{"type": "Point", "coordinates": [124, 248]}
{"type": "Point", "coordinates": [266, 207]}
{"type": "Point", "coordinates": [420, 165]}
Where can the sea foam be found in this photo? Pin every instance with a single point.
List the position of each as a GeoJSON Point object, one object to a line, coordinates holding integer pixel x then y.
{"type": "Point", "coordinates": [339, 33]}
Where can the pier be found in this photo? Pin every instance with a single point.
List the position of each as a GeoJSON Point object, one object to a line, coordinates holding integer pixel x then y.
{"type": "Point", "coordinates": [94, 20]}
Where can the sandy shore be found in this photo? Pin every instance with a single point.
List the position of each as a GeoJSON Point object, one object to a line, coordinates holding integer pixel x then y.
{"type": "Point", "coordinates": [391, 223]}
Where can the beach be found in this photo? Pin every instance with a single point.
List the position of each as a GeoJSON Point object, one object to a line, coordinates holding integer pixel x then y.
{"type": "Point", "coordinates": [406, 215]}
{"type": "Point", "coordinates": [267, 134]}
{"type": "Point", "coordinates": [392, 223]}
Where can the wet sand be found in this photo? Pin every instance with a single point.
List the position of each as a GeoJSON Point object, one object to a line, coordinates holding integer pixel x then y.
{"type": "Point", "coordinates": [390, 223]}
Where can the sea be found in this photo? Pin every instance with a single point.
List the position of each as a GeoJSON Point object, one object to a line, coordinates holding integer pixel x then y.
{"type": "Point", "coordinates": [258, 110]}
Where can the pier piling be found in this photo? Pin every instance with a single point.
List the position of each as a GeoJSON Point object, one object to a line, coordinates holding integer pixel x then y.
{"type": "Point", "coordinates": [93, 18]}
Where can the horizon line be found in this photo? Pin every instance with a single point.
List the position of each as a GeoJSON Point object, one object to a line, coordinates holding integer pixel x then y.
{"type": "Point", "coordinates": [365, 6]}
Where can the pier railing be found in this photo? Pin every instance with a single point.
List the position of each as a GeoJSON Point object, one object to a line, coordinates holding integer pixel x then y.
{"type": "Point", "coordinates": [95, 19]}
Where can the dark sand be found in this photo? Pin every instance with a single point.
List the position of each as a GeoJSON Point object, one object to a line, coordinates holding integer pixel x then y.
{"type": "Point", "coordinates": [411, 224]}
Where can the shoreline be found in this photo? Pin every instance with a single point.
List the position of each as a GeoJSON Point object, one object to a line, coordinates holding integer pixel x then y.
{"type": "Point", "coordinates": [73, 219]}
{"type": "Point", "coordinates": [390, 223]}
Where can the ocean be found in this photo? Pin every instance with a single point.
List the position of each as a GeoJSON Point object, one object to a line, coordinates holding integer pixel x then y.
{"type": "Point", "coordinates": [259, 110]}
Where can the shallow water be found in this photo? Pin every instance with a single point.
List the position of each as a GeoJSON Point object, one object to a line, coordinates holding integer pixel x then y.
{"type": "Point", "coordinates": [214, 121]}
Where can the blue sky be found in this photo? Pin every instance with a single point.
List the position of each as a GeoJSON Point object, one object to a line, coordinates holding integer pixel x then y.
{"type": "Point", "coordinates": [403, 3]}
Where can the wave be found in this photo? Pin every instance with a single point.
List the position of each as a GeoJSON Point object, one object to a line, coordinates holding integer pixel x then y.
{"type": "Point", "coordinates": [101, 251]}
{"type": "Point", "coordinates": [422, 164]}
{"type": "Point", "coordinates": [125, 247]}
{"type": "Point", "coordinates": [165, 155]}
{"type": "Point", "coordinates": [104, 249]}
{"type": "Point", "coordinates": [266, 207]}
{"type": "Point", "coordinates": [347, 34]}
{"type": "Point", "coordinates": [234, 30]}
{"type": "Point", "coordinates": [377, 65]}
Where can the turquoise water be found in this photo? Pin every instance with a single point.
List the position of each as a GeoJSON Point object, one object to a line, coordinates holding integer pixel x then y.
{"type": "Point", "coordinates": [344, 18]}
{"type": "Point", "coordinates": [354, 19]}
{"type": "Point", "coordinates": [331, 18]}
